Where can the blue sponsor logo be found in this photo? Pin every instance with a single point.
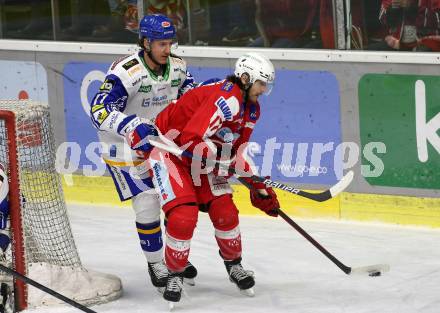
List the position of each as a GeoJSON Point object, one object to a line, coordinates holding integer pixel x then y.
{"type": "Point", "coordinates": [223, 106]}
{"type": "Point", "coordinates": [227, 86]}
{"type": "Point", "coordinates": [166, 193]}
{"type": "Point", "coordinates": [157, 169]}
{"type": "Point", "coordinates": [160, 98]}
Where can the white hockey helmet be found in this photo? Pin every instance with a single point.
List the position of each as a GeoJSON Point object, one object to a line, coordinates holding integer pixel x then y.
{"type": "Point", "coordinates": [257, 66]}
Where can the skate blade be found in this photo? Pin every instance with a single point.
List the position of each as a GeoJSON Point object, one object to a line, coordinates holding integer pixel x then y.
{"type": "Point", "coordinates": [189, 281]}
{"type": "Point", "coordinates": [248, 292]}
{"type": "Point", "coordinates": [171, 305]}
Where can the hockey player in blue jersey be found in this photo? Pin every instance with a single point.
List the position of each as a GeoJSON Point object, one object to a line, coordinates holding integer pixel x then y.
{"type": "Point", "coordinates": [140, 86]}
{"type": "Point", "coordinates": [6, 299]}
{"type": "Point", "coordinates": [4, 210]}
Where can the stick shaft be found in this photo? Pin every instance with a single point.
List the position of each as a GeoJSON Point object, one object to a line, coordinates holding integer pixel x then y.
{"type": "Point", "coordinates": [346, 269]}
{"type": "Point", "coordinates": [45, 289]}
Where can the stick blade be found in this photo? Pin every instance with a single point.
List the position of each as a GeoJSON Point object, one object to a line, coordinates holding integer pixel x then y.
{"type": "Point", "coordinates": [371, 270]}
{"type": "Point", "coordinates": [342, 184]}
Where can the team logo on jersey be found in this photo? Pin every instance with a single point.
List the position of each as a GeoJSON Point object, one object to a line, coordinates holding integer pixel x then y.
{"type": "Point", "coordinates": [175, 82]}
{"type": "Point", "coordinates": [130, 64]}
{"type": "Point", "coordinates": [145, 89]}
{"type": "Point", "coordinates": [118, 104]}
{"type": "Point", "coordinates": [227, 86]}
{"type": "Point", "coordinates": [166, 24]}
{"type": "Point", "coordinates": [107, 85]}
{"type": "Point", "coordinates": [223, 106]}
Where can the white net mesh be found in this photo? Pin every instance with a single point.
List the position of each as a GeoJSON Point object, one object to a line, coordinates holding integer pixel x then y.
{"type": "Point", "coordinates": [46, 228]}
{"type": "Point", "coordinates": [47, 234]}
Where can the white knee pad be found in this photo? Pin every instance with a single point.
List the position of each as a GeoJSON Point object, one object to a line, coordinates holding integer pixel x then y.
{"type": "Point", "coordinates": [147, 207]}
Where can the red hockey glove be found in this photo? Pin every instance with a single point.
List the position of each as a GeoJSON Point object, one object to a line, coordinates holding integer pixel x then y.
{"type": "Point", "coordinates": [267, 203]}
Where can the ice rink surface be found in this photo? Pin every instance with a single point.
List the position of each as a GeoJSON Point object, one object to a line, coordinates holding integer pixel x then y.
{"type": "Point", "coordinates": [291, 274]}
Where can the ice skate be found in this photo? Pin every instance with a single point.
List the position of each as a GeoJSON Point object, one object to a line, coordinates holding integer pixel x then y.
{"type": "Point", "coordinates": [174, 288]}
{"type": "Point", "coordinates": [158, 275]}
{"type": "Point", "coordinates": [189, 274]}
{"type": "Point", "coordinates": [242, 278]}
{"type": "Point", "coordinates": [7, 298]}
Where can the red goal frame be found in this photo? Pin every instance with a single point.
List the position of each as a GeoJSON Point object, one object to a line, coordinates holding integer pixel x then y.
{"type": "Point", "coordinates": [17, 241]}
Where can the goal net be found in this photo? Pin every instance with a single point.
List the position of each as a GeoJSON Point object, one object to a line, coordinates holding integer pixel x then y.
{"type": "Point", "coordinates": [42, 244]}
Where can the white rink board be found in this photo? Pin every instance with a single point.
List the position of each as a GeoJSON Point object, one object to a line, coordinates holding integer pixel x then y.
{"type": "Point", "coordinates": [314, 55]}
{"type": "Point", "coordinates": [291, 275]}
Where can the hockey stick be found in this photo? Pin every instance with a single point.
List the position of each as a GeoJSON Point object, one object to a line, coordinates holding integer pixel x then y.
{"type": "Point", "coordinates": [45, 289]}
{"type": "Point", "coordinates": [372, 270]}
{"type": "Point", "coordinates": [319, 197]}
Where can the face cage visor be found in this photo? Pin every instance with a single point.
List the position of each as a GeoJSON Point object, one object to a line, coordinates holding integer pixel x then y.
{"type": "Point", "coordinates": [269, 86]}
{"type": "Point", "coordinates": [266, 80]}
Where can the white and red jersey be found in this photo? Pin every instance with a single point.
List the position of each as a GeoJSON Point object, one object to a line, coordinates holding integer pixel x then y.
{"type": "Point", "coordinates": [213, 114]}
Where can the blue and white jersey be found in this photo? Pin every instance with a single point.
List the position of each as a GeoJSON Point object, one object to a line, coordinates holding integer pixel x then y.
{"type": "Point", "coordinates": [4, 206]}
{"type": "Point", "coordinates": [131, 88]}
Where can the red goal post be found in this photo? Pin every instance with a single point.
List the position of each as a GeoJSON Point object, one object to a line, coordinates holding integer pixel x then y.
{"type": "Point", "coordinates": [14, 206]}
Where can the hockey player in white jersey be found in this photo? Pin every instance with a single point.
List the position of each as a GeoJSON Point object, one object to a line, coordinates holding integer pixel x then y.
{"type": "Point", "coordinates": [140, 86]}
